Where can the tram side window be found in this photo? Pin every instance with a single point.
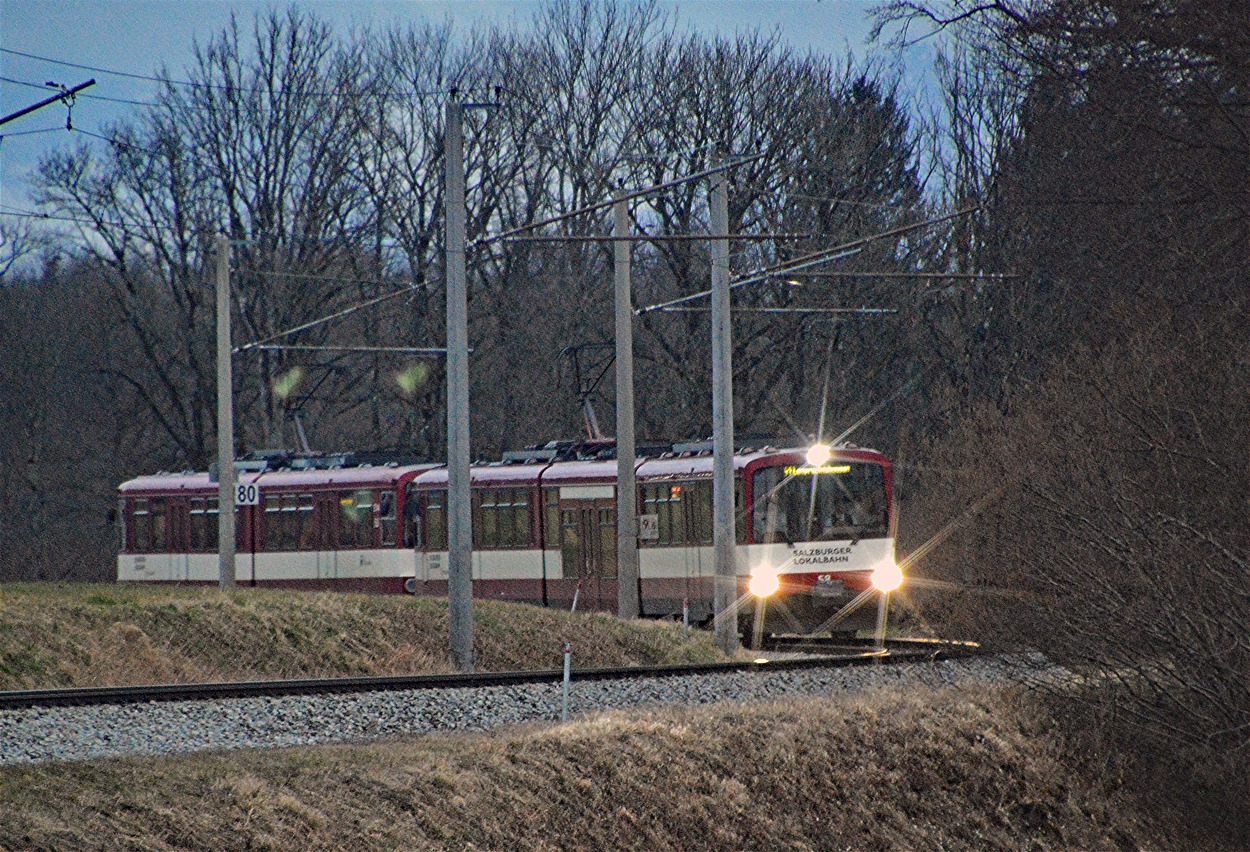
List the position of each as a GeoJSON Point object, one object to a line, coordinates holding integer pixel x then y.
{"type": "Point", "coordinates": [436, 520]}
{"type": "Point", "coordinates": [412, 517]}
{"type": "Point", "coordinates": [501, 518]}
{"type": "Point", "coordinates": [485, 522]}
{"type": "Point", "coordinates": [740, 512]}
{"type": "Point", "coordinates": [700, 499]}
{"type": "Point", "coordinates": [664, 500]}
{"type": "Point", "coordinates": [355, 519]}
{"type": "Point", "coordinates": [389, 520]}
{"type": "Point", "coordinates": [551, 518]}
{"type": "Point", "coordinates": [150, 524]}
{"type": "Point", "coordinates": [607, 541]}
{"type": "Point", "coordinates": [203, 524]}
{"type": "Point", "coordinates": [684, 511]}
{"type": "Point", "coordinates": [289, 522]}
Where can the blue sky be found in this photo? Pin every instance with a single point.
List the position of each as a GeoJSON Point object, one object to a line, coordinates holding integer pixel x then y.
{"type": "Point", "coordinates": [141, 36]}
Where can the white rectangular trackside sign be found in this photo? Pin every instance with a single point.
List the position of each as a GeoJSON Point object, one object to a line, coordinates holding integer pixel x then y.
{"type": "Point", "coordinates": [246, 494]}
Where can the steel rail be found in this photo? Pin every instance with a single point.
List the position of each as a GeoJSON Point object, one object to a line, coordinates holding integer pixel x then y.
{"type": "Point", "coordinates": [121, 695]}
{"type": "Point", "coordinates": [938, 648]}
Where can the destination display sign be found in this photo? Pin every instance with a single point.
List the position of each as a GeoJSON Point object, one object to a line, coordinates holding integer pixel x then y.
{"type": "Point", "coordinates": [795, 470]}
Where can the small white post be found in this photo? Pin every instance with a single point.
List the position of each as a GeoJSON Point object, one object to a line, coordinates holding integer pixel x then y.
{"type": "Point", "coordinates": [883, 603]}
{"type": "Point", "coordinates": [564, 702]}
{"type": "Point", "coordinates": [685, 616]}
{"type": "Point", "coordinates": [757, 634]}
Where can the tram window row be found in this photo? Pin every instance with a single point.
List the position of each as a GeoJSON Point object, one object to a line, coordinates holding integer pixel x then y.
{"type": "Point", "coordinates": [503, 518]}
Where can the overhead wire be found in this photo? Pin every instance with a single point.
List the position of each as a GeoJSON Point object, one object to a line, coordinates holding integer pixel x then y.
{"type": "Point", "coordinates": [310, 277]}
{"type": "Point", "coordinates": [787, 174]}
{"type": "Point", "coordinates": [30, 132]}
{"type": "Point", "coordinates": [52, 217]}
{"type": "Point", "coordinates": [113, 141]}
{"type": "Point", "coordinates": [82, 95]}
{"type": "Point", "coordinates": [255, 344]}
{"type": "Point", "coordinates": [96, 69]}
{"type": "Point", "coordinates": [211, 86]}
{"type": "Point", "coordinates": [119, 142]}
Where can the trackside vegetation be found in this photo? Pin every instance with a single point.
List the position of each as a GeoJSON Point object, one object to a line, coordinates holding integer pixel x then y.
{"type": "Point", "coordinates": [61, 635]}
{"type": "Point", "coordinates": [914, 769]}
{"type": "Point", "coordinates": [919, 770]}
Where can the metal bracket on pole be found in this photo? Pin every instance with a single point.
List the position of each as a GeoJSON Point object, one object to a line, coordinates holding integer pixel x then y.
{"type": "Point", "coordinates": [65, 96]}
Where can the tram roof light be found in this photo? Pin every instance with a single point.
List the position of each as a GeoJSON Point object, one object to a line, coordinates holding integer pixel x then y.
{"type": "Point", "coordinates": [818, 455]}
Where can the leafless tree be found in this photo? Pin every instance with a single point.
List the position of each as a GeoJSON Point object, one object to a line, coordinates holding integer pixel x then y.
{"type": "Point", "coordinates": [837, 164]}
{"type": "Point", "coordinates": [257, 145]}
{"type": "Point", "coordinates": [67, 430]}
{"type": "Point", "coordinates": [322, 157]}
{"type": "Point", "coordinates": [1118, 540]}
{"type": "Point", "coordinates": [276, 122]}
{"type": "Point", "coordinates": [18, 241]}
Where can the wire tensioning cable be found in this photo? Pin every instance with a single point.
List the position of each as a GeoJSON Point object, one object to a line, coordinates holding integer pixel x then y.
{"type": "Point", "coordinates": [255, 344]}
{"type": "Point", "coordinates": [815, 258]}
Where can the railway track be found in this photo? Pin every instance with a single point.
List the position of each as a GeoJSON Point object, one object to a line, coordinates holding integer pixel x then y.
{"type": "Point", "coordinates": [822, 653]}
{"type": "Point", "coordinates": [43, 725]}
{"type": "Point", "coordinates": [936, 649]}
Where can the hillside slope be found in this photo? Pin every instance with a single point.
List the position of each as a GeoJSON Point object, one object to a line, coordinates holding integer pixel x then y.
{"type": "Point", "coordinates": [56, 635]}
{"type": "Point", "coordinates": [931, 770]}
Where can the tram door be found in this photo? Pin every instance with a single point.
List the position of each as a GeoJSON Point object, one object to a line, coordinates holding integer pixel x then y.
{"type": "Point", "coordinates": [180, 539]}
{"type": "Point", "coordinates": [327, 536]}
{"type": "Point", "coordinates": [588, 549]}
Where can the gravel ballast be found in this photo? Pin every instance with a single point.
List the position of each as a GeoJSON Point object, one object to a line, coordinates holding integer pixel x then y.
{"type": "Point", "coordinates": [84, 733]}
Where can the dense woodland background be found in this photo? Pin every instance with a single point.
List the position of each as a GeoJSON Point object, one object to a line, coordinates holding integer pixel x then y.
{"type": "Point", "coordinates": [1074, 436]}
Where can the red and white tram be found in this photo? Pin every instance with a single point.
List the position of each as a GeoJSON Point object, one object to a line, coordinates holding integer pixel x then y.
{"type": "Point", "coordinates": [544, 528]}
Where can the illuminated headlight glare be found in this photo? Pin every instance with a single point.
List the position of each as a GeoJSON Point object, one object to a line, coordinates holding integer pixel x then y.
{"type": "Point", "coordinates": [818, 454]}
{"type": "Point", "coordinates": [764, 582]}
{"type": "Point", "coordinates": [887, 577]}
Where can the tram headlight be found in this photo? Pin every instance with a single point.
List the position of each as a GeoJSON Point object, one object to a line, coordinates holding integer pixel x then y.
{"type": "Point", "coordinates": [818, 455]}
{"type": "Point", "coordinates": [887, 577]}
{"type": "Point", "coordinates": [764, 582]}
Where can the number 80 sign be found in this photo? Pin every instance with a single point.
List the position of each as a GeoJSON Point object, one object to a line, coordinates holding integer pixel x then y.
{"type": "Point", "coordinates": [247, 494]}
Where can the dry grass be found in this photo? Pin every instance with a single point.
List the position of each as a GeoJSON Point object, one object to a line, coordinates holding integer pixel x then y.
{"type": "Point", "coordinates": [894, 771]}
{"type": "Point", "coordinates": [91, 635]}
{"type": "Point", "coordinates": [931, 770]}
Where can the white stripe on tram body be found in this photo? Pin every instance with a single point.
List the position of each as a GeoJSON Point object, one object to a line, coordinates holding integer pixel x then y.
{"type": "Point", "coordinates": [544, 526]}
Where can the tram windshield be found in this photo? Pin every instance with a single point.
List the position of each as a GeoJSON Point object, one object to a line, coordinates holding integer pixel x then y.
{"type": "Point", "coordinates": [834, 502]}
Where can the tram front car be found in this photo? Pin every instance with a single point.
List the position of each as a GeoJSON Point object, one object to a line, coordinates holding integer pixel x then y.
{"type": "Point", "coordinates": [821, 546]}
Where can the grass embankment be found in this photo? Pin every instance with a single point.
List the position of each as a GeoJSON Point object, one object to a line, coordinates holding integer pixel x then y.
{"type": "Point", "coordinates": [95, 635]}
{"type": "Point", "coordinates": [890, 771]}
{"type": "Point", "coordinates": [923, 770]}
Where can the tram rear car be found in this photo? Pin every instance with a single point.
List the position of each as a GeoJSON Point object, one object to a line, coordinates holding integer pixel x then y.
{"type": "Point", "coordinates": [544, 530]}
